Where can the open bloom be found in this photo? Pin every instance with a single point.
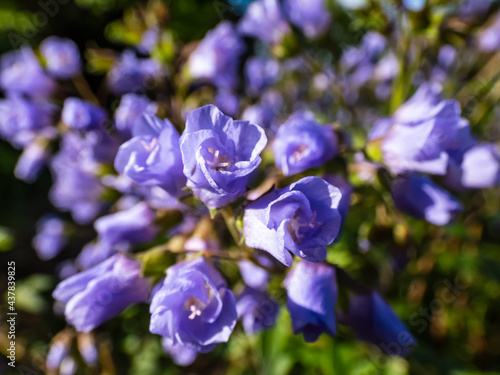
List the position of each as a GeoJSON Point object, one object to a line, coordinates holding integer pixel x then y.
{"type": "Point", "coordinates": [83, 115]}
{"type": "Point", "coordinates": [421, 198]}
{"type": "Point", "coordinates": [312, 294]}
{"type": "Point", "coordinates": [423, 129]}
{"type": "Point", "coordinates": [193, 307]}
{"type": "Point", "coordinates": [373, 320]}
{"type": "Point", "coordinates": [302, 218]}
{"type": "Point", "coordinates": [311, 16]}
{"type": "Point", "coordinates": [219, 154]}
{"type": "Point", "coordinates": [21, 73]}
{"type": "Point", "coordinates": [62, 56]}
{"type": "Point", "coordinates": [217, 57]}
{"type": "Point", "coordinates": [302, 143]}
{"type": "Point", "coordinates": [102, 292]}
{"type": "Point", "coordinates": [264, 20]}
{"type": "Point", "coordinates": [152, 157]}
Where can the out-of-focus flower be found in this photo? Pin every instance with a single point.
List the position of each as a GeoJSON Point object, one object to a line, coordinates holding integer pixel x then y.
{"type": "Point", "coordinates": [257, 310]}
{"type": "Point", "coordinates": [130, 226]}
{"type": "Point", "coordinates": [302, 218]}
{"type": "Point", "coordinates": [88, 348]}
{"type": "Point", "coordinates": [83, 115]}
{"type": "Point", "coordinates": [74, 168]}
{"type": "Point", "coordinates": [446, 57]}
{"type": "Point", "coordinates": [423, 129]}
{"type": "Point", "coordinates": [22, 120]}
{"type": "Point", "coordinates": [180, 354]}
{"type": "Point", "coordinates": [59, 349]}
{"type": "Point", "coordinates": [260, 74]}
{"type": "Point", "coordinates": [193, 307]}
{"type": "Point", "coordinates": [102, 292]}
{"type": "Point", "coordinates": [373, 320]}
{"type": "Point", "coordinates": [253, 275]}
{"type": "Point", "coordinates": [131, 109]}
{"type": "Point", "coordinates": [266, 113]}
{"type": "Point", "coordinates": [228, 102]}
{"type": "Point", "coordinates": [264, 20]}
{"type": "Point", "coordinates": [62, 57]}
{"type": "Point", "coordinates": [481, 166]}
{"type": "Point", "coordinates": [31, 162]}
{"type": "Point", "coordinates": [50, 238]}
{"type": "Point", "coordinates": [414, 5]}
{"type": "Point", "coordinates": [130, 74]}
{"type": "Point", "coordinates": [219, 154]}
{"type": "Point", "coordinates": [217, 57]}
{"type": "Point", "coordinates": [312, 294]}
{"type": "Point", "coordinates": [96, 252]}
{"type": "Point", "coordinates": [149, 40]}
{"type": "Point", "coordinates": [152, 157]}
{"type": "Point", "coordinates": [21, 73]}
{"type": "Point", "coordinates": [489, 38]}
{"type": "Point", "coordinates": [346, 189]}
{"type": "Point", "coordinates": [302, 143]}
{"type": "Point", "coordinates": [311, 16]}
{"type": "Point", "coordinates": [421, 198]}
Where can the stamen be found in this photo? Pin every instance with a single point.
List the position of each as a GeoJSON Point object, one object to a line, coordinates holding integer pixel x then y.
{"type": "Point", "coordinates": [294, 226]}
{"type": "Point", "coordinates": [150, 147]}
{"type": "Point", "coordinates": [219, 161]}
{"type": "Point", "coordinates": [299, 153]}
{"type": "Point", "coordinates": [195, 311]}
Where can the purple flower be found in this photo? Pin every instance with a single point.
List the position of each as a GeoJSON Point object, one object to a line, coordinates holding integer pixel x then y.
{"type": "Point", "coordinates": [193, 307]}
{"type": "Point", "coordinates": [257, 310]}
{"type": "Point", "coordinates": [50, 238]}
{"type": "Point", "coordinates": [266, 112]}
{"type": "Point", "coordinates": [153, 157]}
{"type": "Point", "coordinates": [58, 351]}
{"type": "Point", "coordinates": [22, 120]}
{"type": "Point", "coordinates": [253, 275]}
{"type": "Point", "coordinates": [419, 197]}
{"type": "Point", "coordinates": [130, 74]}
{"type": "Point", "coordinates": [264, 20]}
{"type": "Point", "coordinates": [21, 73]}
{"type": "Point", "coordinates": [311, 16]}
{"type": "Point", "coordinates": [180, 354]}
{"type": "Point", "coordinates": [346, 189]}
{"type": "Point", "coordinates": [76, 186]}
{"type": "Point", "coordinates": [217, 57]}
{"type": "Point", "coordinates": [228, 102]}
{"type": "Point", "coordinates": [219, 154]}
{"type": "Point", "coordinates": [131, 109]}
{"type": "Point", "coordinates": [414, 5]}
{"type": "Point", "coordinates": [481, 167]}
{"type": "Point", "coordinates": [130, 226]}
{"type": "Point", "coordinates": [312, 294]}
{"type": "Point", "coordinates": [302, 143]}
{"type": "Point", "coordinates": [62, 56]}
{"type": "Point", "coordinates": [102, 292]}
{"type": "Point", "coordinates": [302, 218]}
{"type": "Point", "coordinates": [373, 320]}
{"type": "Point", "coordinates": [423, 129]}
{"type": "Point", "coordinates": [96, 252]}
{"type": "Point", "coordinates": [83, 115]}
{"type": "Point", "coordinates": [31, 162]}
{"type": "Point", "coordinates": [489, 38]}
{"type": "Point", "coordinates": [260, 73]}
{"type": "Point", "coordinates": [149, 40]}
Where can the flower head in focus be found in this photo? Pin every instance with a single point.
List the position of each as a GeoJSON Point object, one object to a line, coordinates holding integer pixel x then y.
{"type": "Point", "coordinates": [302, 218]}
{"type": "Point", "coordinates": [219, 154]}
{"type": "Point", "coordinates": [193, 307]}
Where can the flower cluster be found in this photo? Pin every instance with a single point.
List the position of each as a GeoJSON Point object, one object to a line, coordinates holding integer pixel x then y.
{"type": "Point", "coordinates": [174, 187]}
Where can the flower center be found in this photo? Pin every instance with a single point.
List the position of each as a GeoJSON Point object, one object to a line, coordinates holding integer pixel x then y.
{"type": "Point", "coordinates": [299, 152]}
{"type": "Point", "coordinates": [295, 227]}
{"type": "Point", "coordinates": [218, 161]}
{"type": "Point", "coordinates": [149, 146]}
{"type": "Point", "coordinates": [195, 306]}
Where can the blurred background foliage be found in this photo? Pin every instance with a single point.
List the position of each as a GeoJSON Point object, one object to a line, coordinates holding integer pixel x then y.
{"type": "Point", "coordinates": [444, 283]}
